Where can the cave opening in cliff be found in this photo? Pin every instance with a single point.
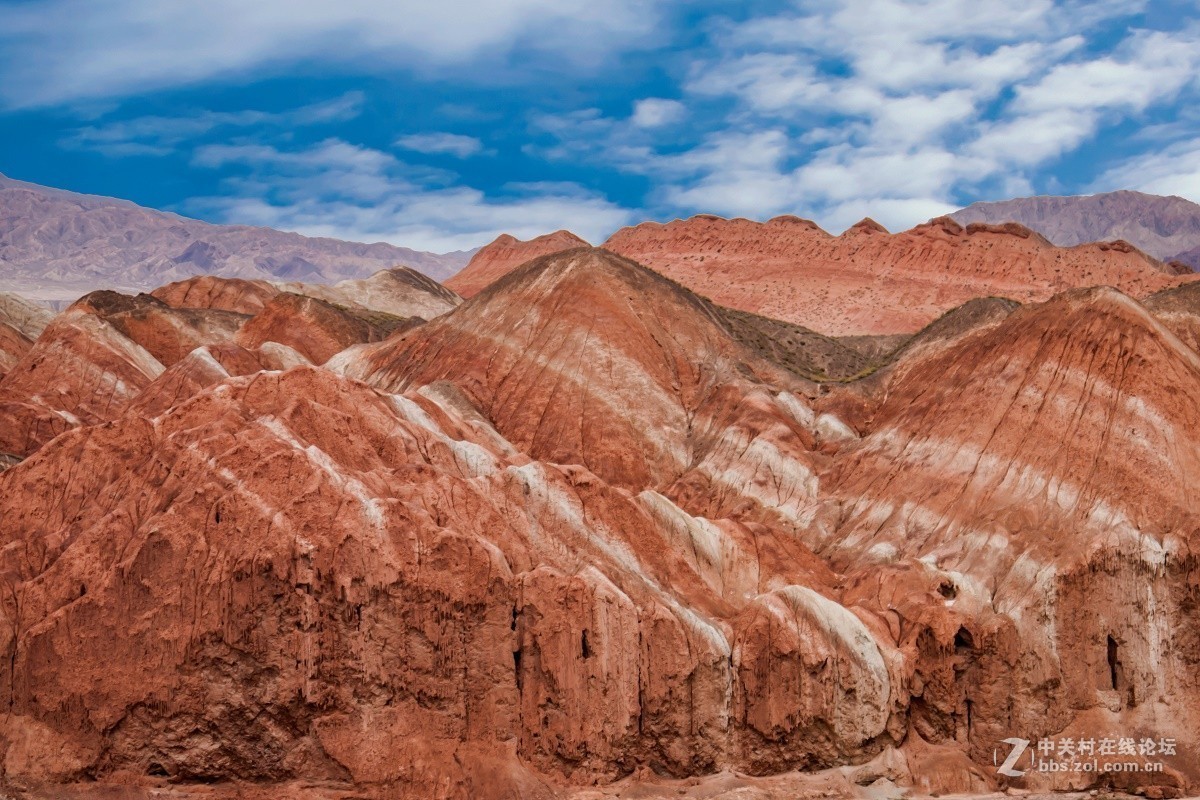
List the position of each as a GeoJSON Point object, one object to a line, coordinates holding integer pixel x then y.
{"type": "Point", "coordinates": [1114, 664]}
{"type": "Point", "coordinates": [584, 649]}
{"type": "Point", "coordinates": [963, 640]}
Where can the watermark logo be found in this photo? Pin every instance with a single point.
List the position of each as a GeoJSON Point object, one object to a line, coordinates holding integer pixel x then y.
{"type": "Point", "coordinates": [1009, 767]}
{"type": "Point", "coordinates": [1082, 754]}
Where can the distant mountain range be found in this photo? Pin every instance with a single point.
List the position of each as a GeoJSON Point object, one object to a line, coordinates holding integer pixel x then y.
{"type": "Point", "coordinates": [1167, 228]}
{"type": "Point", "coordinates": [56, 245]}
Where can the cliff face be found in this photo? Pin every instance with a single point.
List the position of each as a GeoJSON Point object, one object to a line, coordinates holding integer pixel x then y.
{"type": "Point", "coordinates": [579, 530]}
{"type": "Point", "coordinates": [1040, 466]}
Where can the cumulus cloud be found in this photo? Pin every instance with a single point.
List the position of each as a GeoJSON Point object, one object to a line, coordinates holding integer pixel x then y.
{"type": "Point", "coordinates": [335, 188]}
{"type": "Point", "coordinates": [654, 112]}
{"type": "Point", "coordinates": [930, 102]}
{"type": "Point", "coordinates": [832, 109]}
{"type": "Point", "coordinates": [1149, 67]}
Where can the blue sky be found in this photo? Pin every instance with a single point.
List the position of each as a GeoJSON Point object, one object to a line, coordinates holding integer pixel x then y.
{"type": "Point", "coordinates": [440, 125]}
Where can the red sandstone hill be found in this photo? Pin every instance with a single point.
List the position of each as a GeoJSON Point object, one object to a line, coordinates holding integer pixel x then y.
{"type": "Point", "coordinates": [867, 281]}
{"type": "Point", "coordinates": [95, 359]}
{"type": "Point", "coordinates": [505, 254]}
{"type": "Point", "coordinates": [314, 328]}
{"type": "Point", "coordinates": [589, 527]}
{"type": "Point", "coordinates": [223, 294]}
{"type": "Point", "coordinates": [399, 292]}
{"type": "Point", "coordinates": [22, 315]}
{"type": "Point", "coordinates": [13, 345]}
{"type": "Point", "coordinates": [81, 370]}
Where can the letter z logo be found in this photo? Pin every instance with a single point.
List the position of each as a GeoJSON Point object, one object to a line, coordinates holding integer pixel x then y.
{"type": "Point", "coordinates": [1008, 768]}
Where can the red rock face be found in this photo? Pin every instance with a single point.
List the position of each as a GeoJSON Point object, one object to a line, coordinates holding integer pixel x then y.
{"type": "Point", "coordinates": [166, 333]}
{"type": "Point", "coordinates": [867, 281]}
{"type": "Point", "coordinates": [13, 345]}
{"type": "Point", "coordinates": [207, 366]}
{"type": "Point", "coordinates": [81, 370]}
{"type": "Point", "coordinates": [224, 294]}
{"type": "Point", "coordinates": [24, 316]}
{"type": "Point", "coordinates": [1041, 466]}
{"type": "Point", "coordinates": [400, 292]}
{"type": "Point", "coordinates": [94, 359]}
{"type": "Point", "coordinates": [558, 353]}
{"type": "Point", "coordinates": [315, 329]}
{"type": "Point", "coordinates": [502, 256]}
{"type": "Point", "coordinates": [575, 532]}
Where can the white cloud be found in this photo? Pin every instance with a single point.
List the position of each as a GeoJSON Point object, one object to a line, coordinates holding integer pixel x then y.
{"type": "Point", "coordinates": [61, 50]}
{"type": "Point", "coordinates": [833, 109]}
{"type": "Point", "coordinates": [160, 135]}
{"type": "Point", "coordinates": [1173, 171]}
{"type": "Point", "coordinates": [916, 119]}
{"type": "Point", "coordinates": [1033, 139]}
{"type": "Point", "coordinates": [655, 112]}
{"type": "Point", "coordinates": [1071, 102]}
{"type": "Point", "coordinates": [896, 108]}
{"type": "Point", "coordinates": [732, 174]}
{"type": "Point", "coordinates": [1150, 67]}
{"type": "Point", "coordinates": [748, 174]}
{"type": "Point", "coordinates": [586, 134]}
{"type": "Point", "coordinates": [441, 143]}
{"type": "Point", "coordinates": [351, 192]}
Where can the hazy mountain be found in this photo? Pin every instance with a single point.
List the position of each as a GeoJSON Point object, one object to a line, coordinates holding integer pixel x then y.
{"type": "Point", "coordinates": [56, 245]}
{"type": "Point", "coordinates": [1165, 227]}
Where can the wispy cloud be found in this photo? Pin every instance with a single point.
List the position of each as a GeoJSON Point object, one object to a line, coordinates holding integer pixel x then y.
{"type": "Point", "coordinates": [60, 50]}
{"type": "Point", "coordinates": [159, 135]}
{"type": "Point", "coordinates": [1175, 170]}
{"type": "Point", "coordinates": [452, 144]}
{"type": "Point", "coordinates": [335, 188]}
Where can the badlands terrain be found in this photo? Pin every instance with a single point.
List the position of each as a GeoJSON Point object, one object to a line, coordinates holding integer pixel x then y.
{"type": "Point", "coordinates": [721, 509]}
{"type": "Point", "coordinates": [864, 281]}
